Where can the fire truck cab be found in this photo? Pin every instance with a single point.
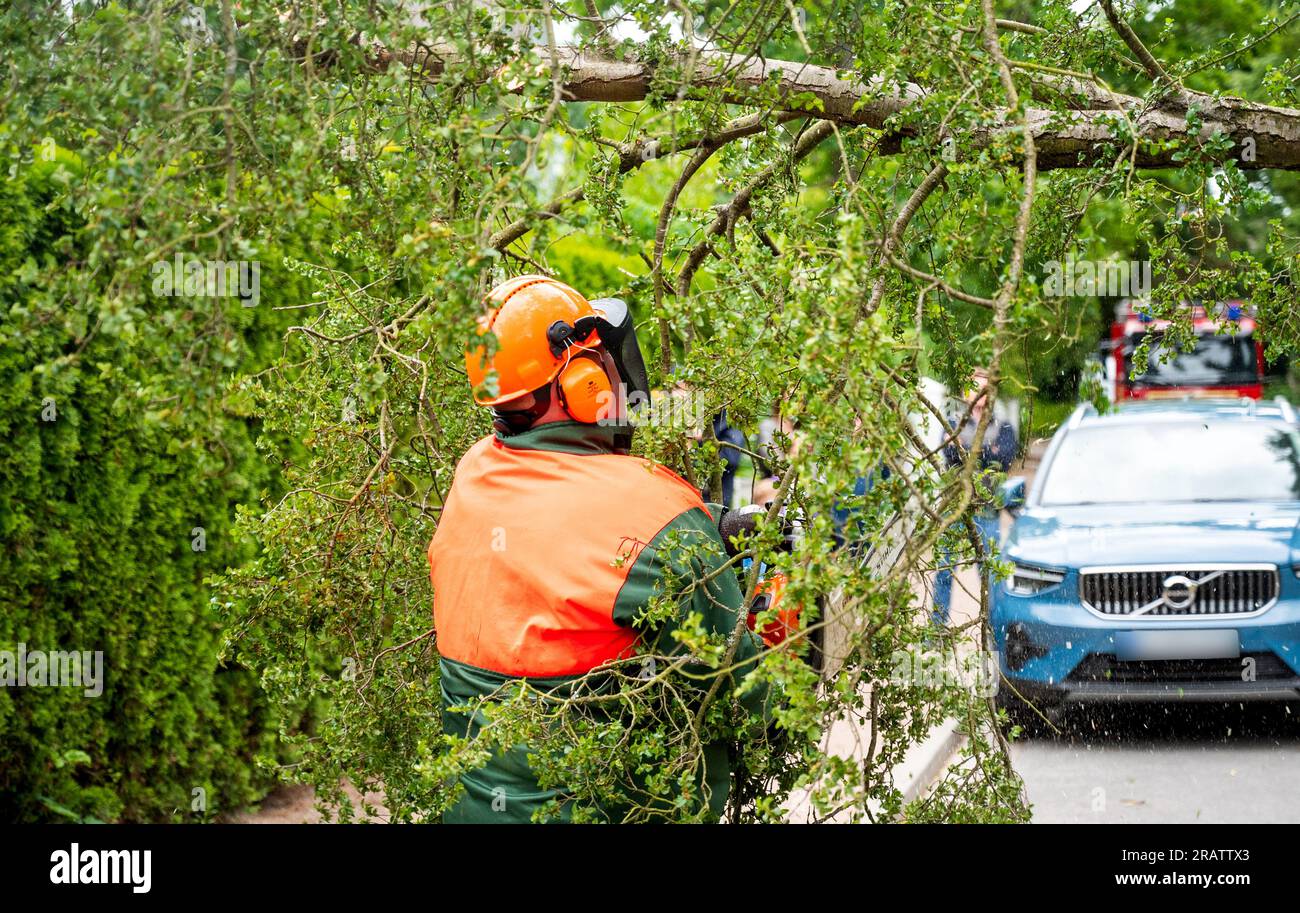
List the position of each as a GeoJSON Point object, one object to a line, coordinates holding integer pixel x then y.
{"type": "Point", "coordinates": [1227, 360]}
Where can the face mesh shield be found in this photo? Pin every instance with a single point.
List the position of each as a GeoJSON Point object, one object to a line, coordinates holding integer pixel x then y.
{"type": "Point", "coordinates": [618, 338]}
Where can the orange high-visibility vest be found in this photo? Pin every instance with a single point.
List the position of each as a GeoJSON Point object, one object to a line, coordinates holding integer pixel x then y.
{"type": "Point", "coordinates": [532, 548]}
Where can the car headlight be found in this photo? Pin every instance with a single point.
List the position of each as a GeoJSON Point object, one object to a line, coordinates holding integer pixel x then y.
{"type": "Point", "coordinates": [1028, 579]}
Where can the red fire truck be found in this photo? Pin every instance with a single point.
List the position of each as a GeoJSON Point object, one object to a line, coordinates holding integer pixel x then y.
{"type": "Point", "coordinates": [1225, 361]}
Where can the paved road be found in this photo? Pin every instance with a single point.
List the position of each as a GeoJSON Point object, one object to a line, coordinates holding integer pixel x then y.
{"type": "Point", "coordinates": [1167, 764]}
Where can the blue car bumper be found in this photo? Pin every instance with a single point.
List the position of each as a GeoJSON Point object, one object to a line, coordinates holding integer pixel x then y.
{"type": "Point", "coordinates": [1052, 649]}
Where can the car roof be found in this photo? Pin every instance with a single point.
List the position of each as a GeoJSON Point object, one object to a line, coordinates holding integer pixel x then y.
{"type": "Point", "coordinates": [1185, 409]}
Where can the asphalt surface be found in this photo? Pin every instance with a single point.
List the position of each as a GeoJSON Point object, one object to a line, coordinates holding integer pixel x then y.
{"type": "Point", "coordinates": [1162, 763]}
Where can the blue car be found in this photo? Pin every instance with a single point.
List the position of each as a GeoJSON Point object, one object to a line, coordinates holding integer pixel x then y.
{"type": "Point", "coordinates": [1154, 558]}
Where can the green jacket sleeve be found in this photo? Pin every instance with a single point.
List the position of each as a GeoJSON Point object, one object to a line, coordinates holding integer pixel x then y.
{"type": "Point", "coordinates": [686, 551]}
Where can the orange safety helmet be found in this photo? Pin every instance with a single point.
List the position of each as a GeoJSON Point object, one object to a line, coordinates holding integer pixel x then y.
{"type": "Point", "coordinates": [541, 327]}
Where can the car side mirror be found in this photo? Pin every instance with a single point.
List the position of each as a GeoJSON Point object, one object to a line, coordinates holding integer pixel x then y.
{"type": "Point", "coordinates": [1012, 494]}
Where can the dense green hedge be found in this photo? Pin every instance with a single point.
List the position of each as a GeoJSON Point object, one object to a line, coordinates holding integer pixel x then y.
{"type": "Point", "coordinates": [97, 510]}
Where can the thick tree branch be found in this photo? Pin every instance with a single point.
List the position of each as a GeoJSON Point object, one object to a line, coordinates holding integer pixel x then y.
{"type": "Point", "coordinates": [1072, 139]}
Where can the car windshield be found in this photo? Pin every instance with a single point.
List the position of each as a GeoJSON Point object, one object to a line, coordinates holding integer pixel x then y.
{"type": "Point", "coordinates": [1215, 361]}
{"type": "Point", "coordinates": [1173, 462]}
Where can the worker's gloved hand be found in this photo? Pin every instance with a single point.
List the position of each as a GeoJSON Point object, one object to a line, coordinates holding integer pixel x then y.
{"type": "Point", "coordinates": [745, 520]}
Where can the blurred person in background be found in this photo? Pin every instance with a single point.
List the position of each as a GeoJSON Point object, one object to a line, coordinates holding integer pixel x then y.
{"type": "Point", "coordinates": [770, 449]}
{"type": "Point", "coordinates": [1001, 444]}
{"type": "Point", "coordinates": [725, 435]}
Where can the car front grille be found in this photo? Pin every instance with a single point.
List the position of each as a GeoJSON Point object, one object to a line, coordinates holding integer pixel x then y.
{"type": "Point", "coordinates": [1215, 590]}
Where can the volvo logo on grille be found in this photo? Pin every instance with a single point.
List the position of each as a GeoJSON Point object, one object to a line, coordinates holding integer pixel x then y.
{"type": "Point", "coordinates": [1180, 591]}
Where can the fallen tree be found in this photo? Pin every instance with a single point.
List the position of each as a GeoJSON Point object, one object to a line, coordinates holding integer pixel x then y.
{"type": "Point", "coordinates": [1257, 136]}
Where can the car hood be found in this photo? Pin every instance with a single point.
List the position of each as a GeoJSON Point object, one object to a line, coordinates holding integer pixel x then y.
{"type": "Point", "coordinates": [1157, 533]}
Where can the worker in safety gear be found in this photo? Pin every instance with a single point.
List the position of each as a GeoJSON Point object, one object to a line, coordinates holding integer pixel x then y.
{"type": "Point", "coordinates": [1001, 445]}
{"type": "Point", "coordinates": [553, 539]}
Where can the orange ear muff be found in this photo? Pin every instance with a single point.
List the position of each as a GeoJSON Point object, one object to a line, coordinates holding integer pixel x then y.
{"type": "Point", "coordinates": [585, 390]}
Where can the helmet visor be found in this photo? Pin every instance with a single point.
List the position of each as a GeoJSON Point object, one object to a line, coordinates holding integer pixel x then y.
{"type": "Point", "coordinates": [618, 336]}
